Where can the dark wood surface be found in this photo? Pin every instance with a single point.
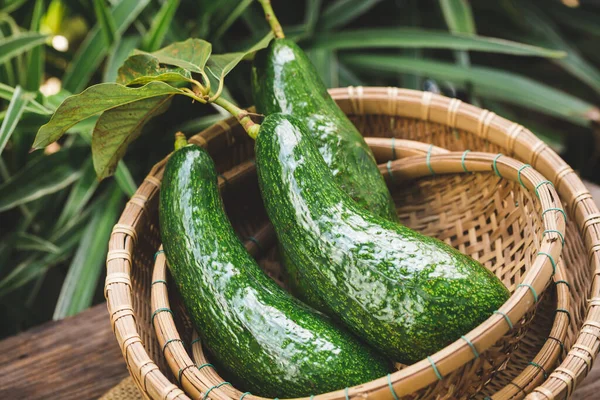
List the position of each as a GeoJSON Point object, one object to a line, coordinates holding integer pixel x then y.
{"type": "Point", "coordinates": [78, 358]}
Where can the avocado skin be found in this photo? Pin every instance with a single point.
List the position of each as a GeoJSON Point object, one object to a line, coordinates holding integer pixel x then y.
{"type": "Point", "coordinates": [285, 81]}
{"type": "Point", "coordinates": [260, 337]}
{"type": "Point", "coordinates": [406, 294]}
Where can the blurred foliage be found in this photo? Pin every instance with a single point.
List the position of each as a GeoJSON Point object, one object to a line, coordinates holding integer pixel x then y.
{"type": "Point", "coordinates": [56, 217]}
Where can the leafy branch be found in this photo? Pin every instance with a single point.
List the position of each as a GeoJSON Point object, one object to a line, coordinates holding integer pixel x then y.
{"type": "Point", "coordinates": [144, 88]}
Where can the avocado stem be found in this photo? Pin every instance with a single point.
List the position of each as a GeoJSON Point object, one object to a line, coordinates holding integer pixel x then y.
{"type": "Point", "coordinates": [241, 115]}
{"type": "Point", "coordinates": [271, 18]}
{"type": "Point", "coordinates": [180, 141]}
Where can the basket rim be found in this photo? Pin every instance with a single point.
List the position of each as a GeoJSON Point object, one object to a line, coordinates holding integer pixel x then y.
{"type": "Point", "coordinates": [472, 343]}
{"type": "Point", "coordinates": [389, 101]}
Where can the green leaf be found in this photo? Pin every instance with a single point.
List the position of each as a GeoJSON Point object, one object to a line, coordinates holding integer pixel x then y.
{"type": "Point", "coordinates": [143, 68]}
{"type": "Point", "coordinates": [421, 38]}
{"type": "Point", "coordinates": [82, 279]}
{"type": "Point", "coordinates": [94, 49]}
{"type": "Point", "coordinates": [13, 115]}
{"type": "Point", "coordinates": [117, 57]}
{"type": "Point", "coordinates": [219, 65]}
{"type": "Point", "coordinates": [574, 63]}
{"type": "Point", "coordinates": [80, 195]}
{"type": "Point", "coordinates": [106, 21]}
{"type": "Point", "coordinates": [347, 77]}
{"type": "Point", "coordinates": [458, 16]}
{"type": "Point", "coordinates": [231, 18]}
{"type": "Point", "coordinates": [27, 241]}
{"type": "Point", "coordinates": [313, 7]}
{"type": "Point", "coordinates": [122, 174]}
{"type": "Point", "coordinates": [487, 82]}
{"type": "Point", "coordinates": [120, 126]}
{"type": "Point", "coordinates": [35, 62]}
{"type": "Point", "coordinates": [325, 62]}
{"type": "Point", "coordinates": [191, 54]}
{"type": "Point", "coordinates": [160, 25]}
{"type": "Point", "coordinates": [7, 92]}
{"type": "Point", "coordinates": [45, 175]}
{"type": "Point", "coordinates": [19, 43]}
{"type": "Point", "coordinates": [8, 6]}
{"type": "Point", "coordinates": [92, 101]}
{"type": "Point", "coordinates": [33, 267]}
{"type": "Point", "coordinates": [124, 179]}
{"type": "Point", "coordinates": [342, 12]}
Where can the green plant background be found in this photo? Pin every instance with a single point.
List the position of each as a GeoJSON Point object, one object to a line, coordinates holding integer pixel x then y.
{"type": "Point", "coordinates": [56, 217]}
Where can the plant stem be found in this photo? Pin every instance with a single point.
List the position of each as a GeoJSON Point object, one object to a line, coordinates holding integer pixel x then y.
{"type": "Point", "coordinates": [242, 116]}
{"type": "Point", "coordinates": [271, 18]}
{"type": "Point", "coordinates": [180, 141]}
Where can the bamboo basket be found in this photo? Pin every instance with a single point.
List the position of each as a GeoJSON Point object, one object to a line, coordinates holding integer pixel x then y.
{"type": "Point", "coordinates": [555, 324]}
{"type": "Point", "coordinates": [384, 112]}
{"type": "Point", "coordinates": [461, 383]}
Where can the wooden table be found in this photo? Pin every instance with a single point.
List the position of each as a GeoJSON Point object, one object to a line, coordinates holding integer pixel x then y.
{"type": "Point", "coordinates": [78, 358]}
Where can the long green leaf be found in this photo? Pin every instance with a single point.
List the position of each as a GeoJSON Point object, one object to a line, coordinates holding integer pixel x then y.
{"type": "Point", "coordinates": [421, 38]}
{"type": "Point", "coordinates": [342, 12]}
{"type": "Point", "coordinates": [487, 82]}
{"type": "Point", "coordinates": [574, 63]}
{"type": "Point", "coordinates": [7, 92]}
{"type": "Point", "coordinates": [347, 77]}
{"type": "Point", "coordinates": [33, 267]}
{"type": "Point", "coordinates": [19, 43]}
{"type": "Point", "coordinates": [79, 196]}
{"type": "Point", "coordinates": [124, 179]}
{"type": "Point", "coordinates": [191, 54]}
{"type": "Point", "coordinates": [120, 126]}
{"type": "Point", "coordinates": [117, 57]}
{"type": "Point", "coordinates": [160, 25]}
{"type": "Point", "coordinates": [219, 65]}
{"type": "Point", "coordinates": [143, 68]}
{"type": "Point", "coordinates": [94, 49]}
{"type": "Point", "coordinates": [9, 6]}
{"type": "Point", "coordinates": [313, 8]}
{"type": "Point", "coordinates": [231, 18]}
{"type": "Point", "coordinates": [122, 174]}
{"type": "Point", "coordinates": [35, 62]}
{"type": "Point", "coordinates": [458, 16]}
{"type": "Point", "coordinates": [325, 62]}
{"type": "Point", "coordinates": [82, 279]}
{"type": "Point", "coordinates": [46, 175]}
{"type": "Point", "coordinates": [106, 22]}
{"type": "Point", "coordinates": [13, 115]}
{"type": "Point", "coordinates": [27, 241]}
{"type": "Point", "coordinates": [92, 101]}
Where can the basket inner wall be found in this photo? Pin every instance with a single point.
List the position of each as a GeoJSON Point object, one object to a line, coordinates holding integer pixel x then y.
{"type": "Point", "coordinates": [470, 212]}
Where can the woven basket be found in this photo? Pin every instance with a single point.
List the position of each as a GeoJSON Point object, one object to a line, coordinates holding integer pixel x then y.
{"type": "Point", "coordinates": [551, 330]}
{"type": "Point", "coordinates": [499, 204]}
{"type": "Point", "coordinates": [377, 112]}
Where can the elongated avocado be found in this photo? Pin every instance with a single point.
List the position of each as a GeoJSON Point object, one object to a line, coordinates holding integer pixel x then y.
{"type": "Point", "coordinates": [284, 80]}
{"type": "Point", "coordinates": [406, 294]}
{"type": "Point", "coordinates": [259, 336]}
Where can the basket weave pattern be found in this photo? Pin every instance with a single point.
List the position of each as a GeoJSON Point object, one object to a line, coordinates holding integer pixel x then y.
{"type": "Point", "coordinates": [135, 238]}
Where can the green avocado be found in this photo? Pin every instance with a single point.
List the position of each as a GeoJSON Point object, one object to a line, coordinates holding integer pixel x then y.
{"type": "Point", "coordinates": [261, 338]}
{"type": "Point", "coordinates": [406, 294]}
{"type": "Point", "coordinates": [285, 81]}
